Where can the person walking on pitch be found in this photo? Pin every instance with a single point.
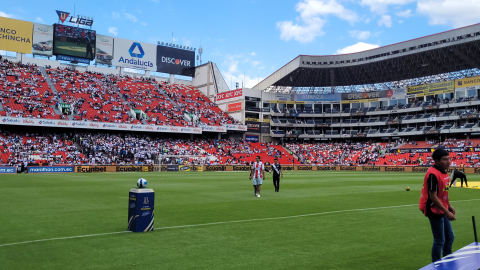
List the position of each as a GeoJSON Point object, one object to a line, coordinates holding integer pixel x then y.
{"type": "Point", "coordinates": [435, 204]}
{"type": "Point", "coordinates": [257, 174]}
{"type": "Point", "coordinates": [277, 172]}
{"type": "Point", "coordinates": [458, 174]}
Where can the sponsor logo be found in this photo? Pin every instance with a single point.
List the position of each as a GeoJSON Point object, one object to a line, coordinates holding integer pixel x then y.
{"type": "Point", "coordinates": [371, 169]}
{"type": "Point", "coordinates": [122, 126]}
{"type": "Point", "coordinates": [8, 170]}
{"type": "Point", "coordinates": [420, 169]}
{"type": "Point", "coordinates": [242, 168]}
{"type": "Point", "coordinates": [104, 40]}
{"type": "Point", "coordinates": [109, 126]}
{"type": "Point", "coordinates": [135, 62]}
{"type": "Point", "coordinates": [41, 29]}
{"type": "Point", "coordinates": [132, 48]}
{"type": "Point", "coordinates": [133, 198]}
{"type": "Point", "coordinates": [394, 169]}
{"type": "Point", "coordinates": [174, 129]}
{"type": "Point", "coordinates": [135, 127]}
{"type": "Point", "coordinates": [214, 168]}
{"type": "Point", "coordinates": [288, 168]}
{"type": "Point", "coordinates": [304, 168]}
{"type": "Point", "coordinates": [69, 169]}
{"type": "Point", "coordinates": [28, 122]}
{"type": "Point", "coordinates": [229, 94]}
{"type": "Point", "coordinates": [132, 205]}
{"type": "Point", "coordinates": [146, 208]}
{"type": "Point", "coordinates": [197, 130]}
{"type": "Point", "coordinates": [148, 128]}
{"type": "Point", "coordinates": [477, 170]}
{"type": "Point", "coordinates": [163, 128]}
{"type": "Point", "coordinates": [91, 169]}
{"type": "Point", "coordinates": [186, 129]}
{"type": "Point", "coordinates": [220, 129]}
{"type": "Point", "coordinates": [364, 95]}
{"type": "Point", "coordinates": [62, 123]}
{"type": "Point", "coordinates": [173, 61]}
{"type": "Point", "coordinates": [94, 125]}
{"type": "Point", "coordinates": [326, 168]}
{"type": "Point", "coordinates": [460, 83]}
{"type": "Point", "coordinates": [208, 128]}
{"type": "Point", "coordinates": [146, 213]}
{"type": "Point", "coordinates": [184, 168]}
{"type": "Point", "coordinates": [145, 200]}
{"type": "Point", "coordinates": [347, 168]}
{"type": "Point", "coordinates": [62, 15]}
{"type": "Point", "coordinates": [82, 124]}
{"type": "Point", "coordinates": [129, 169]}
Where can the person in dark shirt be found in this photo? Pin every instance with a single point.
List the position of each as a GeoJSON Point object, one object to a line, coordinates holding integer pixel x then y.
{"type": "Point", "coordinates": [88, 41]}
{"type": "Point", "coordinates": [458, 174]}
{"type": "Point", "coordinates": [277, 172]}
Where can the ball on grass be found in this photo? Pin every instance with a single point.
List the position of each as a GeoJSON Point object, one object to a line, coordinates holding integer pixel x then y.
{"type": "Point", "coordinates": [407, 188]}
{"type": "Point", "coordinates": [141, 183]}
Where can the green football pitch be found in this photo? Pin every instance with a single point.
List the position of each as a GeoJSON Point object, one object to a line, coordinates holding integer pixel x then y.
{"type": "Point", "coordinates": [211, 220]}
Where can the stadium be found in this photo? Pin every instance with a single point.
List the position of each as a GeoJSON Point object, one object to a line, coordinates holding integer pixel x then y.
{"type": "Point", "coordinates": [83, 116]}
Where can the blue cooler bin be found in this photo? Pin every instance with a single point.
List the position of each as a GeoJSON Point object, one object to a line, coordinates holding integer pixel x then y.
{"type": "Point", "coordinates": [140, 209]}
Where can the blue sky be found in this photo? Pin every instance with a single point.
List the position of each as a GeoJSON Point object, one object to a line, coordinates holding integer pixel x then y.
{"type": "Point", "coordinates": [258, 37]}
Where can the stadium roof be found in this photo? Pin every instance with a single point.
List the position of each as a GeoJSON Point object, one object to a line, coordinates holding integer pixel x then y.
{"type": "Point", "coordinates": [451, 51]}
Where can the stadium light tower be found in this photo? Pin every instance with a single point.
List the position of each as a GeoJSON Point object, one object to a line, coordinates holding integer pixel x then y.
{"type": "Point", "coordinates": [200, 51]}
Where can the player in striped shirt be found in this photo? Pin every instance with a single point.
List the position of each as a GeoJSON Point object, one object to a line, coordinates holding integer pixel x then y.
{"type": "Point", "coordinates": [257, 174]}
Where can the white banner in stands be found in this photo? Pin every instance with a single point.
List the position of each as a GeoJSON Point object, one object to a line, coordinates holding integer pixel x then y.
{"type": "Point", "coordinates": [399, 94]}
{"type": "Point", "coordinates": [214, 128]}
{"type": "Point", "coordinates": [236, 127]}
{"type": "Point", "coordinates": [100, 125]}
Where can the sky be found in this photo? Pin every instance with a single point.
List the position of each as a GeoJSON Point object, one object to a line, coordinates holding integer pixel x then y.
{"type": "Point", "coordinates": [251, 39]}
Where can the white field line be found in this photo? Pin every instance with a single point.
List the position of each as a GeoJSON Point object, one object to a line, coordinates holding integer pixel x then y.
{"type": "Point", "coordinates": [224, 222]}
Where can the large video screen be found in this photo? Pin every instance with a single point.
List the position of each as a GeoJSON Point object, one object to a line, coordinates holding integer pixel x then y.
{"type": "Point", "coordinates": [74, 41]}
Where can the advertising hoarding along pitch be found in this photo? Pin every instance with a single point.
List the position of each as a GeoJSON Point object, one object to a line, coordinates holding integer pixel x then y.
{"type": "Point", "coordinates": [175, 61]}
{"type": "Point", "coordinates": [42, 39]}
{"type": "Point", "coordinates": [133, 54]}
{"type": "Point", "coordinates": [15, 35]}
{"type": "Point", "coordinates": [104, 54]}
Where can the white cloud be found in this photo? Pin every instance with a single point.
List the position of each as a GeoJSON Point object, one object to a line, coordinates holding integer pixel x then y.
{"type": "Point", "coordinates": [255, 63]}
{"type": "Point", "coordinates": [143, 23]}
{"type": "Point", "coordinates": [187, 42]}
{"type": "Point", "coordinates": [113, 30]}
{"type": "Point", "coordinates": [361, 35]}
{"type": "Point", "coordinates": [359, 47]}
{"type": "Point", "coordinates": [381, 6]}
{"type": "Point", "coordinates": [457, 13]}
{"type": "Point", "coordinates": [253, 53]}
{"type": "Point", "coordinates": [405, 14]}
{"type": "Point", "coordinates": [115, 15]}
{"type": "Point", "coordinates": [38, 19]}
{"type": "Point", "coordinates": [312, 18]}
{"type": "Point", "coordinates": [385, 20]}
{"type": "Point", "coordinates": [233, 67]}
{"type": "Point", "coordinates": [130, 17]}
{"type": "Point", "coordinates": [3, 14]}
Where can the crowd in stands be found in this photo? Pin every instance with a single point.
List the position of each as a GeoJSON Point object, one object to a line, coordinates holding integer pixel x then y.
{"type": "Point", "coordinates": [110, 148]}
{"type": "Point", "coordinates": [24, 92]}
{"type": "Point", "coordinates": [98, 97]}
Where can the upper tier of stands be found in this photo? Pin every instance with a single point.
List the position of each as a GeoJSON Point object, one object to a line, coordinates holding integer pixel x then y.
{"type": "Point", "coordinates": [97, 97]}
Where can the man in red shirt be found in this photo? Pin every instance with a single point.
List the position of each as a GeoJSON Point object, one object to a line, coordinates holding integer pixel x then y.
{"type": "Point", "coordinates": [434, 203]}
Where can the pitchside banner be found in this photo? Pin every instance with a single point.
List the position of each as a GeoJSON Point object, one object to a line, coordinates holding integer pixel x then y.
{"type": "Point", "coordinates": [134, 54]}
{"type": "Point", "coordinates": [15, 35]}
{"type": "Point", "coordinates": [104, 54]}
{"type": "Point", "coordinates": [175, 61]}
{"type": "Point", "coordinates": [52, 169]}
{"type": "Point", "coordinates": [42, 39]}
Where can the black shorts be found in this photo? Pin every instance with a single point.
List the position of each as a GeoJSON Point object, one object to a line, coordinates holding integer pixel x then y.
{"type": "Point", "coordinates": [276, 177]}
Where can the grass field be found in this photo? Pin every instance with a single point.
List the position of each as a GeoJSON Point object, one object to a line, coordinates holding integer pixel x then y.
{"type": "Point", "coordinates": [71, 48]}
{"type": "Point", "coordinates": [357, 220]}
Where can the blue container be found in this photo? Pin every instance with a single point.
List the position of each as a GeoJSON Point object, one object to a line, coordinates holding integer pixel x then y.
{"type": "Point", "coordinates": [140, 209]}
